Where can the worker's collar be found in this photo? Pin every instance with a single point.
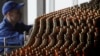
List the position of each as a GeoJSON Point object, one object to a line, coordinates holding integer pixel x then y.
{"type": "Point", "coordinates": [7, 23]}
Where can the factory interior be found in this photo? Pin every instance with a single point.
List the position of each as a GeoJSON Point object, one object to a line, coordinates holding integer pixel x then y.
{"type": "Point", "coordinates": [58, 28]}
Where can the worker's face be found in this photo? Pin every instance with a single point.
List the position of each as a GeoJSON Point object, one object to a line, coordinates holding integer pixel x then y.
{"type": "Point", "coordinates": [15, 15]}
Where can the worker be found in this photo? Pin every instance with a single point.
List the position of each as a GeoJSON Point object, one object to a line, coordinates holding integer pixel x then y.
{"type": "Point", "coordinates": [12, 27]}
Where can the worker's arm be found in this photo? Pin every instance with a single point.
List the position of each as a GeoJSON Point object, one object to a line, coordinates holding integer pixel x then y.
{"type": "Point", "coordinates": [21, 27]}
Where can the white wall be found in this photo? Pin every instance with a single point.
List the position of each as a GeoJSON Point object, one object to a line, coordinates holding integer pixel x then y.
{"type": "Point", "coordinates": [32, 11]}
{"type": "Point", "coordinates": [35, 8]}
{"type": "Point", "coordinates": [50, 6]}
{"type": "Point", "coordinates": [60, 4]}
{"type": "Point", "coordinates": [82, 1]}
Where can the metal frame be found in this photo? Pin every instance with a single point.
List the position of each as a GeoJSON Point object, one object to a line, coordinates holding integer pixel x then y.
{"type": "Point", "coordinates": [4, 40]}
{"type": "Point", "coordinates": [40, 7]}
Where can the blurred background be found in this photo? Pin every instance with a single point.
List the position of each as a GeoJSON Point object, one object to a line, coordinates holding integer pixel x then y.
{"type": "Point", "coordinates": [35, 8]}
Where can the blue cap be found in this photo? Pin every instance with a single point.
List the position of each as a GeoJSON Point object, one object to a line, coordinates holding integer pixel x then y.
{"type": "Point", "coordinates": [10, 5]}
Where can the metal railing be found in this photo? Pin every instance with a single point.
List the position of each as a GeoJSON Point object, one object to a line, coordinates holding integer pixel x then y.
{"type": "Point", "coordinates": [5, 47]}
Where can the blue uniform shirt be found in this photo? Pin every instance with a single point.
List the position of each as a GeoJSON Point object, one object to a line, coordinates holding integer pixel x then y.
{"type": "Point", "coordinates": [13, 34]}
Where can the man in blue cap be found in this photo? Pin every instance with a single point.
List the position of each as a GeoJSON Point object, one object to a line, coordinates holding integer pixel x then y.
{"type": "Point", "coordinates": [11, 27]}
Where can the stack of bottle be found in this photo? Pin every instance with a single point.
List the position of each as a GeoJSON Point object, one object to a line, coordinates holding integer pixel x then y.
{"type": "Point", "coordinates": [72, 31]}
